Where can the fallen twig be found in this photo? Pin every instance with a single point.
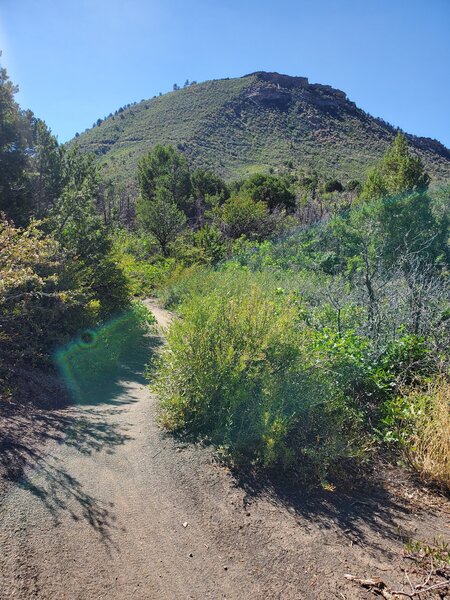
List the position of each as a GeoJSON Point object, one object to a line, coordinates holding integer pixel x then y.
{"type": "Point", "coordinates": [376, 585]}
{"type": "Point", "coordinates": [421, 590]}
{"type": "Point", "coordinates": [379, 587]}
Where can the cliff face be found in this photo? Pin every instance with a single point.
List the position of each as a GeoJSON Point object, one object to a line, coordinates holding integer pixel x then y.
{"type": "Point", "coordinates": [285, 81]}
{"type": "Point", "coordinates": [279, 91]}
{"type": "Point", "coordinates": [254, 123]}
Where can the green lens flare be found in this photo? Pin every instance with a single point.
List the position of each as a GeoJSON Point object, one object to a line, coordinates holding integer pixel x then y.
{"type": "Point", "coordinates": [88, 338]}
{"type": "Point", "coordinates": [97, 359]}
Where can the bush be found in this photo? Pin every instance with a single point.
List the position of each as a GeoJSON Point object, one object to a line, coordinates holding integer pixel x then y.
{"type": "Point", "coordinates": [240, 215]}
{"type": "Point", "coordinates": [234, 372]}
{"type": "Point", "coordinates": [272, 190]}
{"type": "Point", "coordinates": [46, 296]}
{"type": "Point", "coordinates": [205, 246]}
{"type": "Point", "coordinates": [184, 282]}
{"type": "Point", "coordinates": [34, 293]}
{"type": "Point", "coordinates": [144, 276]}
{"type": "Point", "coordinates": [333, 185]}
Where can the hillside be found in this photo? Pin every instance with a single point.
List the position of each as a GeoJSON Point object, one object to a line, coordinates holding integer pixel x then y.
{"type": "Point", "coordinates": [254, 123]}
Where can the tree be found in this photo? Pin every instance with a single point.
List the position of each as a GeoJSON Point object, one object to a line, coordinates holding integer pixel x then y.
{"type": "Point", "coordinates": [15, 139]}
{"type": "Point", "coordinates": [407, 224]}
{"type": "Point", "coordinates": [207, 189]}
{"type": "Point", "coordinates": [310, 182]}
{"type": "Point", "coordinates": [161, 217]}
{"type": "Point", "coordinates": [74, 220]}
{"type": "Point", "coordinates": [47, 169]}
{"type": "Point", "coordinates": [272, 190]}
{"type": "Point", "coordinates": [205, 183]}
{"type": "Point", "coordinates": [114, 203]}
{"type": "Point", "coordinates": [163, 167]}
{"type": "Point", "coordinates": [240, 215]}
{"type": "Point", "coordinates": [76, 225]}
{"type": "Point", "coordinates": [376, 239]}
{"type": "Point", "coordinates": [399, 172]}
{"type": "Point", "coordinates": [409, 228]}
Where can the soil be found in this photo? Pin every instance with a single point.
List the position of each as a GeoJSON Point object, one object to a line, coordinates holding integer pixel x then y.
{"type": "Point", "coordinates": [97, 502]}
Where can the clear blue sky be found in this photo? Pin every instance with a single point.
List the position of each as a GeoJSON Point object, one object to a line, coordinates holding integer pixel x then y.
{"type": "Point", "coordinates": [77, 60]}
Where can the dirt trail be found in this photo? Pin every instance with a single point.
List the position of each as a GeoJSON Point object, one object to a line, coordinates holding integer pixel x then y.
{"type": "Point", "coordinates": [114, 509]}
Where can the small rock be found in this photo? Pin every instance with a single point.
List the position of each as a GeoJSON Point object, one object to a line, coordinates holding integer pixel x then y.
{"type": "Point", "coordinates": [225, 568]}
{"type": "Point", "coordinates": [185, 524]}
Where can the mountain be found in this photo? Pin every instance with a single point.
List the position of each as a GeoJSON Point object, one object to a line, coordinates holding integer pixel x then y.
{"type": "Point", "coordinates": [258, 122]}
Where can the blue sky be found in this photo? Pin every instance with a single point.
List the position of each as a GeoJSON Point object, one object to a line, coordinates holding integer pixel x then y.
{"type": "Point", "coordinates": [77, 60]}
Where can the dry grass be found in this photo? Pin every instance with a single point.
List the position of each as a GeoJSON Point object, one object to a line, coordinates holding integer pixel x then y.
{"type": "Point", "coordinates": [430, 449]}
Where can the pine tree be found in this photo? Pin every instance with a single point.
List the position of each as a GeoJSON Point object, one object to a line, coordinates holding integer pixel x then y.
{"type": "Point", "coordinates": [399, 172]}
{"type": "Point", "coordinates": [163, 167]}
{"type": "Point", "coordinates": [15, 139]}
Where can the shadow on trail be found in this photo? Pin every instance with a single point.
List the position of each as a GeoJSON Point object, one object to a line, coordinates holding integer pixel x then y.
{"type": "Point", "coordinates": [365, 517]}
{"type": "Point", "coordinates": [24, 461]}
{"type": "Point", "coordinates": [98, 384]}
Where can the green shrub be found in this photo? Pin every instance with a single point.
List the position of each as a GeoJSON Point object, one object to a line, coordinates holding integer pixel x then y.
{"type": "Point", "coordinates": [143, 276]}
{"type": "Point", "coordinates": [234, 372]}
{"type": "Point", "coordinates": [183, 282]}
{"type": "Point", "coordinates": [240, 215]}
{"type": "Point", "coordinates": [404, 360]}
{"type": "Point", "coordinates": [42, 301]}
{"type": "Point", "coordinates": [206, 246]}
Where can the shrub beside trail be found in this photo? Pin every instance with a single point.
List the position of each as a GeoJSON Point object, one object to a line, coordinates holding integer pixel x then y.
{"type": "Point", "coordinates": [238, 371]}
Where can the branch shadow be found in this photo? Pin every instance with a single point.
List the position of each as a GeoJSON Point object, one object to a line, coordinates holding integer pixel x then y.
{"type": "Point", "coordinates": [81, 413]}
{"type": "Point", "coordinates": [25, 462]}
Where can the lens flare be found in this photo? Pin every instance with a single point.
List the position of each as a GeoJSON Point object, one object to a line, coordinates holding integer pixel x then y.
{"type": "Point", "coordinates": [88, 338]}
{"type": "Point", "coordinates": [93, 363]}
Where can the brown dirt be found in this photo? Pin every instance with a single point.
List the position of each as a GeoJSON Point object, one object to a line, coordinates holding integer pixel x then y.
{"type": "Point", "coordinates": [101, 504]}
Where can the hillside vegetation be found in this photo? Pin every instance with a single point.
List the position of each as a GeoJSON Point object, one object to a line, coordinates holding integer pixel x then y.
{"type": "Point", "coordinates": [257, 123]}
